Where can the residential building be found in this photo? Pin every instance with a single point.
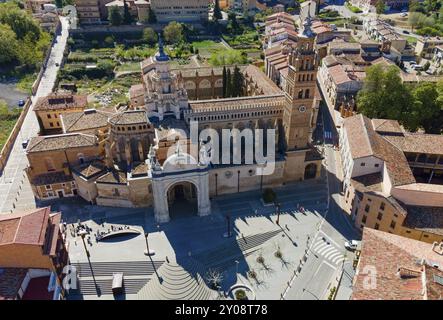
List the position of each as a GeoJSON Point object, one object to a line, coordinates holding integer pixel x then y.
{"type": "Point", "coordinates": [88, 11]}
{"type": "Point", "coordinates": [188, 11]}
{"type": "Point", "coordinates": [32, 255]}
{"type": "Point", "coordinates": [49, 109]}
{"type": "Point", "coordinates": [425, 47]}
{"type": "Point", "coordinates": [52, 159]}
{"type": "Point", "coordinates": [37, 6]}
{"type": "Point", "coordinates": [369, 5]}
{"type": "Point", "coordinates": [392, 267]}
{"type": "Point", "coordinates": [392, 178]}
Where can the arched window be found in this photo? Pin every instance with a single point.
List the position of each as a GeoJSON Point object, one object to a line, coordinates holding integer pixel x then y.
{"type": "Point", "coordinates": [300, 94]}
{"type": "Point", "coordinates": [307, 93]}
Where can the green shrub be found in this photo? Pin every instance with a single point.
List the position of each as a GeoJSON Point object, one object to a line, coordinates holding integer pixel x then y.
{"type": "Point", "coordinates": [240, 294]}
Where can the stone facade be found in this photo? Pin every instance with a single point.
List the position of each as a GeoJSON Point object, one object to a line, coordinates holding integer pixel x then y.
{"type": "Point", "coordinates": [147, 155]}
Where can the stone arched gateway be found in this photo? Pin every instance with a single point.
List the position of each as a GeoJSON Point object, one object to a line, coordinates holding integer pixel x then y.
{"type": "Point", "coordinates": [179, 169]}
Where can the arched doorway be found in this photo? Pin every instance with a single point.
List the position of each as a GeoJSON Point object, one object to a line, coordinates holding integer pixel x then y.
{"type": "Point", "coordinates": [182, 199]}
{"type": "Point", "coordinates": [310, 171]}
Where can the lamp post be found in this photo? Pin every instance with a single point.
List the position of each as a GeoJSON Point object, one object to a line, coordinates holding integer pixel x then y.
{"type": "Point", "coordinates": [147, 251]}
{"type": "Point", "coordinates": [227, 234]}
{"type": "Point", "coordinates": [277, 208]}
{"type": "Point", "coordinates": [82, 234]}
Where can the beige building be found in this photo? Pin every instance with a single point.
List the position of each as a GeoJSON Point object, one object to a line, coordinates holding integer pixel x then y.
{"type": "Point", "coordinates": [88, 11]}
{"type": "Point", "coordinates": [392, 178]}
{"type": "Point", "coordinates": [425, 47]}
{"type": "Point", "coordinates": [188, 11]}
{"type": "Point", "coordinates": [49, 109]}
{"type": "Point", "coordinates": [37, 6]}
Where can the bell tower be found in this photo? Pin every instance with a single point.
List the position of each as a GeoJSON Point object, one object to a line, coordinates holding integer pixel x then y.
{"type": "Point", "coordinates": [299, 112]}
{"type": "Point", "coordinates": [300, 90]}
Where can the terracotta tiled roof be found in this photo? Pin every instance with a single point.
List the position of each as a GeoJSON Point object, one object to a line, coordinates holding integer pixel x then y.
{"type": "Point", "coordinates": [11, 280]}
{"type": "Point", "coordinates": [50, 178]}
{"type": "Point", "coordinates": [90, 170]}
{"type": "Point", "coordinates": [368, 182]}
{"type": "Point", "coordinates": [113, 177]}
{"type": "Point", "coordinates": [60, 142]}
{"type": "Point", "coordinates": [87, 120]}
{"type": "Point", "coordinates": [262, 81]}
{"type": "Point", "coordinates": [429, 219]}
{"type": "Point", "coordinates": [129, 117]}
{"type": "Point", "coordinates": [364, 141]}
{"type": "Point", "coordinates": [28, 227]}
{"type": "Point", "coordinates": [418, 142]}
{"type": "Point", "coordinates": [139, 169]}
{"type": "Point", "coordinates": [394, 264]}
{"type": "Point", "coordinates": [60, 102]}
{"type": "Point", "coordinates": [386, 126]}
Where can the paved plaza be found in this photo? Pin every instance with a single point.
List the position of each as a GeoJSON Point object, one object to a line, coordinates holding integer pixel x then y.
{"type": "Point", "coordinates": [189, 246]}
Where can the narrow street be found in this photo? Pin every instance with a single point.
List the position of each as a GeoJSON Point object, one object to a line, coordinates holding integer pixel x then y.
{"type": "Point", "coordinates": [15, 189]}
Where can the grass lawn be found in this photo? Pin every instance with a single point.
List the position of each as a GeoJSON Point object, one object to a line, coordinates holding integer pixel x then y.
{"type": "Point", "coordinates": [207, 47]}
{"type": "Point", "coordinates": [411, 40]}
{"type": "Point", "coordinates": [8, 118]}
{"type": "Point", "coordinates": [129, 66]}
{"type": "Point", "coordinates": [25, 83]}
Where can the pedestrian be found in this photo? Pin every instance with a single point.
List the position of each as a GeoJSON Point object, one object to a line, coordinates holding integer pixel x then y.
{"type": "Point", "coordinates": [167, 259]}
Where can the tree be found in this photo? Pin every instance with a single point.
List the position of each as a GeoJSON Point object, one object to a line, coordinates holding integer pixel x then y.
{"type": "Point", "coordinates": [383, 94]}
{"type": "Point", "coordinates": [228, 84]}
{"type": "Point", "coordinates": [115, 17]}
{"type": "Point", "coordinates": [380, 7]}
{"type": "Point", "coordinates": [9, 46]}
{"type": "Point", "coordinates": [151, 16]}
{"type": "Point", "coordinates": [233, 23]}
{"type": "Point", "coordinates": [127, 18]}
{"type": "Point", "coordinates": [20, 21]}
{"type": "Point", "coordinates": [173, 32]}
{"type": "Point", "coordinates": [425, 109]}
{"type": "Point", "coordinates": [415, 19]}
{"type": "Point", "coordinates": [109, 41]}
{"type": "Point", "coordinates": [217, 11]}
{"type": "Point", "coordinates": [224, 81]}
{"type": "Point", "coordinates": [150, 36]}
{"type": "Point", "coordinates": [413, 5]}
{"type": "Point", "coordinates": [237, 82]}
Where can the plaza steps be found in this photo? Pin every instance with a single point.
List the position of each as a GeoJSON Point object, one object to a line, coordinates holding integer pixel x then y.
{"type": "Point", "coordinates": [88, 286]}
{"type": "Point", "coordinates": [129, 268]}
{"type": "Point", "coordinates": [178, 284]}
{"type": "Point", "coordinates": [224, 256]}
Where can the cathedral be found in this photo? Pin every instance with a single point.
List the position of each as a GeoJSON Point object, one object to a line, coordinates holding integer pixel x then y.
{"type": "Point", "coordinates": [163, 149]}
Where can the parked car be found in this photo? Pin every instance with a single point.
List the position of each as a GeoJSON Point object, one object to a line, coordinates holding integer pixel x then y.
{"type": "Point", "coordinates": [351, 245]}
{"type": "Point", "coordinates": [25, 143]}
{"type": "Point", "coordinates": [21, 103]}
{"type": "Point", "coordinates": [418, 67]}
{"type": "Point", "coordinates": [404, 14]}
{"type": "Point", "coordinates": [405, 31]}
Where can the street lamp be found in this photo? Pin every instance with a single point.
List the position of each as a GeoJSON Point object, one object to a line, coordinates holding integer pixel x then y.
{"type": "Point", "coordinates": [82, 234]}
{"type": "Point", "coordinates": [236, 267]}
{"type": "Point", "coordinates": [147, 251]}
{"type": "Point", "coordinates": [277, 208]}
{"type": "Point", "coordinates": [228, 224]}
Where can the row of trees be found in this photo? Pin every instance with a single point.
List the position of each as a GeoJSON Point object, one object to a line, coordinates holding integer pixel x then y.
{"type": "Point", "coordinates": [233, 84]}
{"type": "Point", "coordinates": [385, 96]}
{"type": "Point", "coordinates": [22, 41]}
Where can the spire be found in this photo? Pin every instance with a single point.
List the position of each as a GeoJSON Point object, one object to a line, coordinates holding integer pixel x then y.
{"type": "Point", "coordinates": [161, 56]}
{"type": "Point", "coordinates": [307, 24]}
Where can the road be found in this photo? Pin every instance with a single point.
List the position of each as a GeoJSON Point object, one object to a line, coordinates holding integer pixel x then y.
{"type": "Point", "coordinates": [15, 189]}
{"type": "Point", "coordinates": [326, 253]}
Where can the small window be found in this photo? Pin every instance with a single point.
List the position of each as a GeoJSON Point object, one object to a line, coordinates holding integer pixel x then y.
{"type": "Point", "coordinates": [408, 231]}
{"type": "Point", "coordinates": [380, 216]}
{"type": "Point", "coordinates": [51, 124]}
{"type": "Point", "coordinates": [48, 187]}
{"type": "Point", "coordinates": [395, 215]}
{"type": "Point", "coordinates": [363, 220]}
{"type": "Point", "coordinates": [376, 226]}
{"type": "Point", "coordinates": [369, 199]}
{"type": "Point", "coordinates": [392, 224]}
{"type": "Point", "coordinates": [382, 206]}
{"type": "Point", "coordinates": [367, 207]}
{"type": "Point", "coordinates": [363, 164]}
{"type": "Point", "coordinates": [49, 116]}
{"type": "Point", "coordinates": [376, 165]}
{"type": "Point", "coordinates": [425, 236]}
